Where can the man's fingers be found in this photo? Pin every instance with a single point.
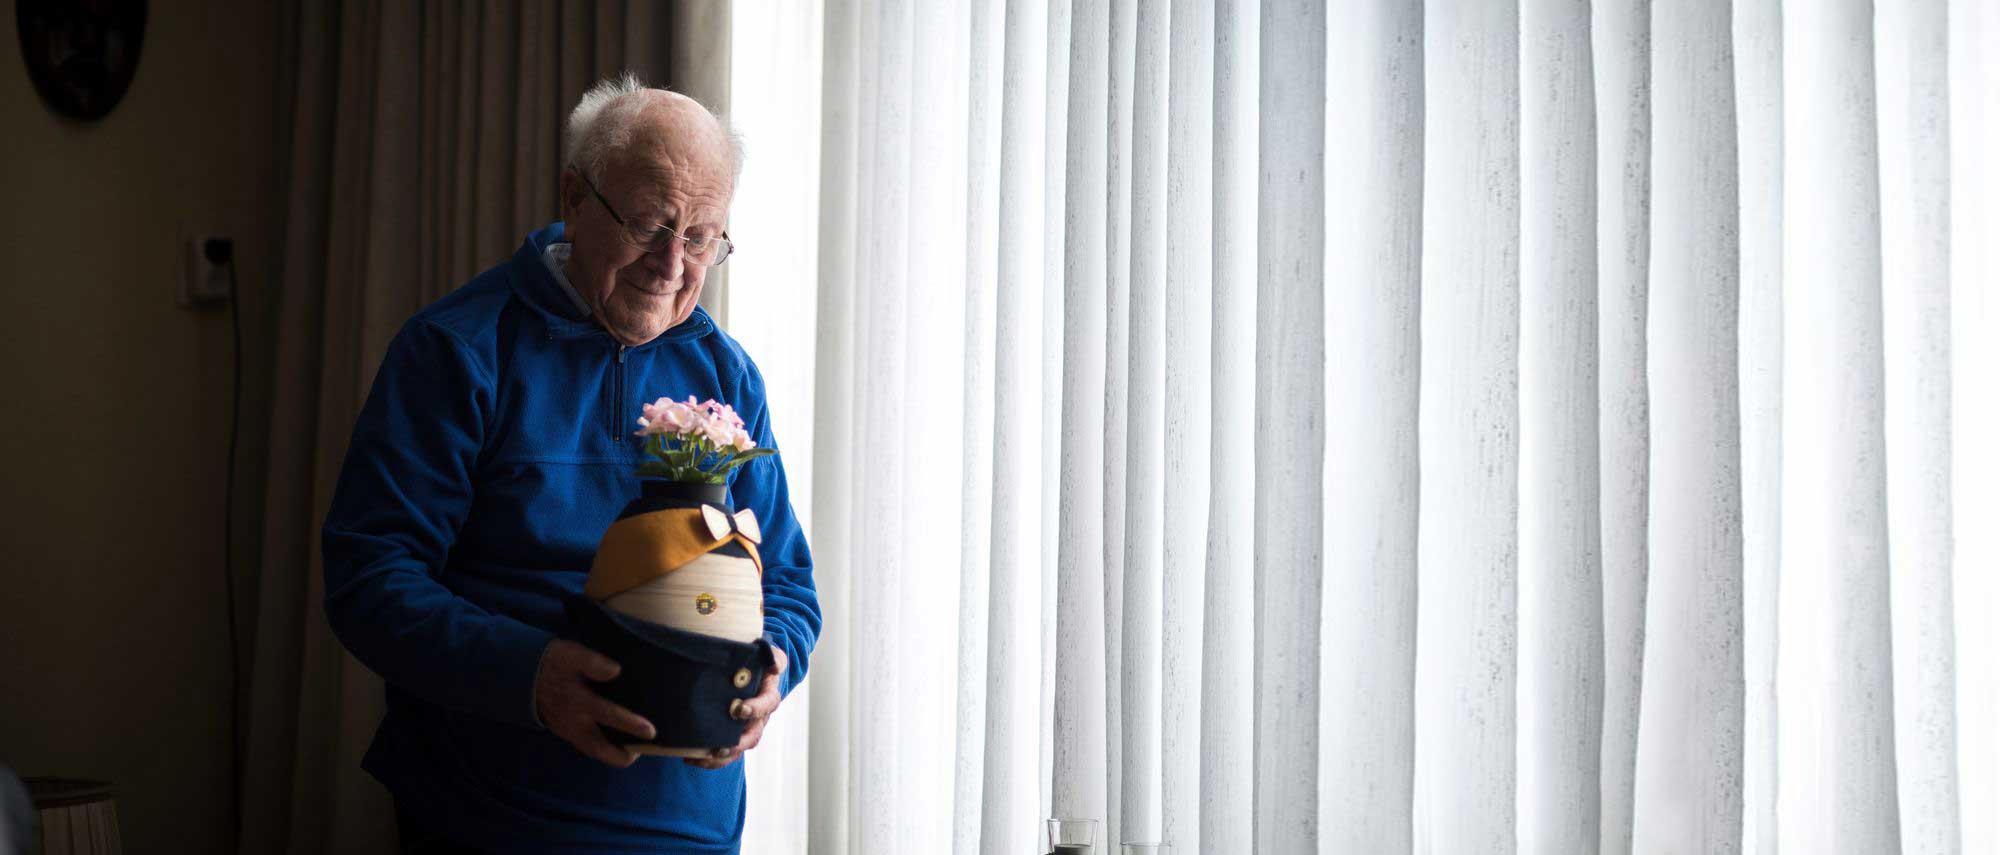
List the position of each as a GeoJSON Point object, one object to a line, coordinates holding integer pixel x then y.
{"type": "Point", "coordinates": [573, 711]}
{"type": "Point", "coordinates": [597, 666]}
{"type": "Point", "coordinates": [588, 739]}
{"type": "Point", "coordinates": [712, 763]}
{"type": "Point", "coordinates": [762, 704]}
{"type": "Point", "coordinates": [759, 707]}
{"type": "Point", "coordinates": [752, 735]}
{"type": "Point", "coordinates": [626, 720]}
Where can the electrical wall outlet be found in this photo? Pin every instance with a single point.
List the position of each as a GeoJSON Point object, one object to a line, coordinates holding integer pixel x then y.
{"type": "Point", "coordinates": [208, 265]}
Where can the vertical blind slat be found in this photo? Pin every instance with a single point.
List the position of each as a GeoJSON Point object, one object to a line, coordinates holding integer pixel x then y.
{"type": "Point", "coordinates": [1688, 777]}
{"type": "Point", "coordinates": [1621, 58]}
{"type": "Point", "coordinates": [1974, 27]}
{"type": "Point", "coordinates": [1228, 629]}
{"type": "Point", "coordinates": [1916, 328]}
{"type": "Point", "coordinates": [829, 765]}
{"type": "Point", "coordinates": [1369, 605]}
{"type": "Point", "coordinates": [976, 465]}
{"type": "Point", "coordinates": [1145, 457]}
{"type": "Point", "coordinates": [1055, 260]}
{"type": "Point", "coordinates": [1290, 432]}
{"type": "Point", "coordinates": [1189, 257]}
{"type": "Point", "coordinates": [1467, 430]}
{"type": "Point", "coordinates": [1559, 700]}
{"type": "Point", "coordinates": [1836, 749]}
{"type": "Point", "coordinates": [1012, 800]}
{"type": "Point", "coordinates": [1760, 362]}
{"type": "Point", "coordinates": [884, 230]}
{"type": "Point", "coordinates": [1122, 57]}
{"type": "Point", "coordinates": [1081, 765]}
{"type": "Point", "coordinates": [932, 500]}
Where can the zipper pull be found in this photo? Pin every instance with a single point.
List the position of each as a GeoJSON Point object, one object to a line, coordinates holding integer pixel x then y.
{"type": "Point", "coordinates": [621, 354]}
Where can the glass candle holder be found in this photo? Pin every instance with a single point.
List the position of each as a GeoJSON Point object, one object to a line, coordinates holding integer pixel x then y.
{"type": "Point", "coordinates": [1072, 836]}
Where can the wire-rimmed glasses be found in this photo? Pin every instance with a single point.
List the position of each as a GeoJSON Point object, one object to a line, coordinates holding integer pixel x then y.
{"type": "Point", "coordinates": [701, 249]}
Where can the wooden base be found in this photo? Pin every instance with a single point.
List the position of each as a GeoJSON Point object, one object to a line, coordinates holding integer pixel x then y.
{"type": "Point", "coordinates": [717, 595]}
{"type": "Point", "coordinates": [658, 751]}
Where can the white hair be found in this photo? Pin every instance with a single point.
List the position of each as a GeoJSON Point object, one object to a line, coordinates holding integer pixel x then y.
{"type": "Point", "coordinates": [604, 120]}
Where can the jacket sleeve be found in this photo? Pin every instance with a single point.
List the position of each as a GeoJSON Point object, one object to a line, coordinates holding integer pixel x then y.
{"type": "Point", "coordinates": [791, 605]}
{"type": "Point", "coordinates": [401, 497]}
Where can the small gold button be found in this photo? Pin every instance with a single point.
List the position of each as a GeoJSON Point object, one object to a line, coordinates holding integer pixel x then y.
{"type": "Point", "coordinates": [742, 677]}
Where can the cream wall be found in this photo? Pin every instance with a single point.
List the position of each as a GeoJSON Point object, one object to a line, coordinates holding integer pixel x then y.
{"type": "Point", "coordinates": [116, 412]}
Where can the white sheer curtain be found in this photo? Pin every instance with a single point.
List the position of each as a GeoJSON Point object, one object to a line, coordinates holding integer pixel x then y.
{"type": "Point", "coordinates": [768, 307]}
{"type": "Point", "coordinates": [1471, 426]}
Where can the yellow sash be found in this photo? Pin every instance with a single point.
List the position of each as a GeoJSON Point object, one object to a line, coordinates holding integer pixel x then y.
{"type": "Point", "coordinates": [640, 548]}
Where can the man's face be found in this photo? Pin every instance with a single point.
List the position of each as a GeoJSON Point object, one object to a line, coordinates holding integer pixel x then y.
{"type": "Point", "coordinates": [635, 294]}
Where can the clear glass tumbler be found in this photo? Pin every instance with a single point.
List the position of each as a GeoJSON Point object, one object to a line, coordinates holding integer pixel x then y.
{"type": "Point", "coordinates": [1072, 836]}
{"type": "Point", "coordinates": [1145, 849]}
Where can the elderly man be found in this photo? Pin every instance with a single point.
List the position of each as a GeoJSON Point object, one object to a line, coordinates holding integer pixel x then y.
{"type": "Point", "coordinates": [494, 449]}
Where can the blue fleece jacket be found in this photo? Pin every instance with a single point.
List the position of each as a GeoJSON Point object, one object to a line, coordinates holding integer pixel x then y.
{"type": "Point", "coordinates": [495, 448]}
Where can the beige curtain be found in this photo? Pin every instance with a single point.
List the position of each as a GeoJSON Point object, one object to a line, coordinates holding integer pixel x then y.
{"type": "Point", "coordinates": [418, 142]}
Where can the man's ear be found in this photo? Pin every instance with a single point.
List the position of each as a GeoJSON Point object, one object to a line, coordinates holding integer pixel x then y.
{"type": "Point", "coordinates": [569, 193]}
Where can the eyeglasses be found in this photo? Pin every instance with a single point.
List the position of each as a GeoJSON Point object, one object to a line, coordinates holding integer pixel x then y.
{"type": "Point", "coordinates": [703, 250]}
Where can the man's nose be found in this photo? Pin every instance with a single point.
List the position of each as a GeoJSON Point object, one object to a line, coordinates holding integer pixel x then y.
{"type": "Point", "coordinates": [668, 261]}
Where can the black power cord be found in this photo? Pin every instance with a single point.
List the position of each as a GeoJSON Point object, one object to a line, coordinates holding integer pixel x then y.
{"type": "Point", "coordinates": [219, 252]}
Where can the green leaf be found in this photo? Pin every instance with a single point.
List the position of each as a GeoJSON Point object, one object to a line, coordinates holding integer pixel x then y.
{"type": "Point", "coordinates": [753, 454]}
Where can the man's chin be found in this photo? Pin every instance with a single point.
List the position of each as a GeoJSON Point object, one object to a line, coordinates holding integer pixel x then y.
{"type": "Point", "coordinates": [647, 322]}
{"type": "Point", "coordinates": [665, 293]}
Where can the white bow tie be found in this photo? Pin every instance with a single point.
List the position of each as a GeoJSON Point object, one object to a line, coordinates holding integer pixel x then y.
{"type": "Point", "coordinates": [721, 523]}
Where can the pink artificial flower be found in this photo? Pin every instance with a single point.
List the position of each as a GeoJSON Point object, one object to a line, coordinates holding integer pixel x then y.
{"type": "Point", "coordinates": [719, 432]}
{"type": "Point", "coordinates": [651, 418]}
{"type": "Point", "coordinates": [681, 418]}
{"type": "Point", "coordinates": [718, 410]}
{"type": "Point", "coordinates": [667, 416]}
{"type": "Point", "coordinates": [703, 428]}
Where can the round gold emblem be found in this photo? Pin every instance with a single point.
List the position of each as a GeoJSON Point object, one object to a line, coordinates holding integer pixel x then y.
{"type": "Point", "coordinates": [705, 604]}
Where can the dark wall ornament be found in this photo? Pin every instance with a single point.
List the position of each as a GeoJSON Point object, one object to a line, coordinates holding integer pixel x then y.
{"type": "Point", "coordinates": [81, 53]}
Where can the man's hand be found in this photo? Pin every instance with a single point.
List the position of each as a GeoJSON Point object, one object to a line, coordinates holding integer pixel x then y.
{"type": "Point", "coordinates": [571, 709]}
{"type": "Point", "coordinates": [754, 713]}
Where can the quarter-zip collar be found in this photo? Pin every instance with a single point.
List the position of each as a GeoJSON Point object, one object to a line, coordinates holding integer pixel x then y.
{"type": "Point", "coordinates": [537, 288]}
{"type": "Point", "coordinates": [553, 259]}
